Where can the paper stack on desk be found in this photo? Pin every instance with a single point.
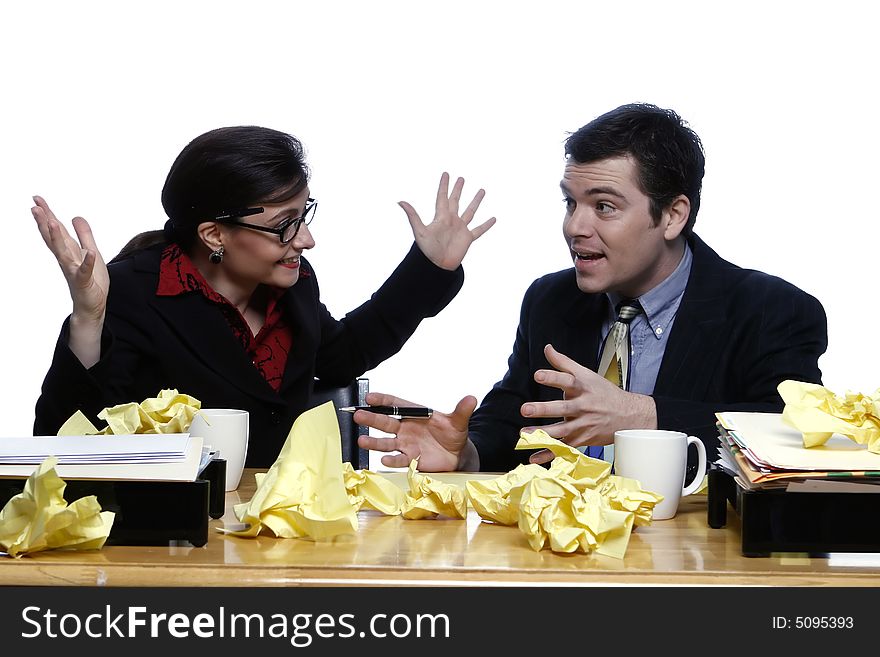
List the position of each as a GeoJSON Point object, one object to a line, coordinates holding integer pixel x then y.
{"type": "Point", "coordinates": [759, 450]}
{"type": "Point", "coordinates": [153, 457]}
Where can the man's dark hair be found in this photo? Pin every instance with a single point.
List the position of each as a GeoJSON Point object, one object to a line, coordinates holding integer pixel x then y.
{"type": "Point", "coordinates": [668, 154]}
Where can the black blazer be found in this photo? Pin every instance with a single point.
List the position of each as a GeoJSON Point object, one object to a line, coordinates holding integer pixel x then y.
{"type": "Point", "coordinates": [184, 342]}
{"type": "Point", "coordinates": [738, 333]}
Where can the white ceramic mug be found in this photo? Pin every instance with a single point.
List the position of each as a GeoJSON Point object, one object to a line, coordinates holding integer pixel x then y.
{"type": "Point", "coordinates": [225, 430]}
{"type": "Point", "coordinates": [658, 460]}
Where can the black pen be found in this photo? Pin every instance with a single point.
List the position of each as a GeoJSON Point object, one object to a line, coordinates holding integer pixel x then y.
{"type": "Point", "coordinates": [403, 412]}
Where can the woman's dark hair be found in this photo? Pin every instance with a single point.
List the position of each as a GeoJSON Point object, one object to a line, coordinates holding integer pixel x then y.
{"type": "Point", "coordinates": [669, 155]}
{"type": "Point", "coordinates": [224, 170]}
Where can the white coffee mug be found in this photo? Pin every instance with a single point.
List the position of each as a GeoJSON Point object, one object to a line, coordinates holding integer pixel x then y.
{"type": "Point", "coordinates": [225, 430]}
{"type": "Point", "coordinates": [658, 460]}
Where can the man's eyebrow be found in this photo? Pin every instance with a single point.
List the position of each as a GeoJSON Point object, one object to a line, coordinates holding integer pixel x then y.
{"type": "Point", "coordinates": [595, 191]}
{"type": "Point", "coordinates": [610, 191]}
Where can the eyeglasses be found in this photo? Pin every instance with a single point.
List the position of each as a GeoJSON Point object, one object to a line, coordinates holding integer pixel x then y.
{"type": "Point", "coordinates": [285, 231]}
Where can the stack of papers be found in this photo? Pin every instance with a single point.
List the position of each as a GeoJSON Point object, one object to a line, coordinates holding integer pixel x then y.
{"type": "Point", "coordinates": [149, 457]}
{"type": "Point", "coordinates": [759, 450]}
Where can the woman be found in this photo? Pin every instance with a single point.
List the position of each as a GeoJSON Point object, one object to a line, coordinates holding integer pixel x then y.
{"type": "Point", "coordinates": [221, 304]}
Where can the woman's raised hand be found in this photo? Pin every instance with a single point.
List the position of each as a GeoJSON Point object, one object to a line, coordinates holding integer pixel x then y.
{"type": "Point", "coordinates": [86, 276]}
{"type": "Point", "coordinates": [446, 240]}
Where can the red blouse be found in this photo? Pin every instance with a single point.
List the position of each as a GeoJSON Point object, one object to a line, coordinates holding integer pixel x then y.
{"type": "Point", "coordinates": [268, 349]}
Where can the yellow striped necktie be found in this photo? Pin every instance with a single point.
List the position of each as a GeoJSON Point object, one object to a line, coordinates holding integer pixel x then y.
{"type": "Point", "coordinates": [614, 361]}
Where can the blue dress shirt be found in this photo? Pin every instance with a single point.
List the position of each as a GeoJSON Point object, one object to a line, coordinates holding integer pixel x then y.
{"type": "Point", "coordinates": [649, 331]}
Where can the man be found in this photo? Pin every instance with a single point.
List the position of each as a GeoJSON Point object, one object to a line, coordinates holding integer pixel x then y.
{"type": "Point", "coordinates": [706, 335]}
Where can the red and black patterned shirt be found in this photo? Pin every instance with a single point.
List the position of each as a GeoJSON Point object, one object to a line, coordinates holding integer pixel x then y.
{"type": "Point", "coordinates": [268, 349]}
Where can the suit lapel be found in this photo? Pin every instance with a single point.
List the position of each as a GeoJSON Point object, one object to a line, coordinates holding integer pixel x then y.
{"type": "Point", "coordinates": [698, 333]}
{"type": "Point", "coordinates": [306, 334]}
{"type": "Point", "coordinates": [582, 328]}
{"type": "Point", "coordinates": [201, 326]}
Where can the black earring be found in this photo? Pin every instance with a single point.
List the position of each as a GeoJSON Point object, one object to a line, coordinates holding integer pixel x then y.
{"type": "Point", "coordinates": [216, 256]}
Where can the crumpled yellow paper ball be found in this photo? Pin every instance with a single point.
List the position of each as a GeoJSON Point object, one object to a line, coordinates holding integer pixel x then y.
{"type": "Point", "coordinates": [428, 497]}
{"type": "Point", "coordinates": [40, 519]}
{"type": "Point", "coordinates": [574, 505]}
{"type": "Point", "coordinates": [170, 412]}
{"type": "Point", "coordinates": [627, 495]}
{"type": "Point", "coordinates": [569, 462]}
{"type": "Point", "coordinates": [303, 494]}
{"type": "Point", "coordinates": [370, 490]}
{"type": "Point", "coordinates": [555, 513]}
{"type": "Point", "coordinates": [818, 413]}
{"type": "Point", "coordinates": [491, 498]}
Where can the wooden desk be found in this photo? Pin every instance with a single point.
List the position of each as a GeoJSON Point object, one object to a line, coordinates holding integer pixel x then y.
{"type": "Point", "coordinates": [390, 551]}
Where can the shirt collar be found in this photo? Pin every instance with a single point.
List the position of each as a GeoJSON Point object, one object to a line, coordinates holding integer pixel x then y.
{"type": "Point", "coordinates": [178, 275]}
{"type": "Point", "coordinates": [660, 304]}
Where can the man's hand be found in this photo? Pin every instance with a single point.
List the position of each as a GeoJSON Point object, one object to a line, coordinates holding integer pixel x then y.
{"type": "Point", "coordinates": [593, 408]}
{"type": "Point", "coordinates": [437, 442]}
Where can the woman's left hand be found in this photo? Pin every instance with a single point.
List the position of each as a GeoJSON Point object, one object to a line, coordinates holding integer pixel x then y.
{"type": "Point", "coordinates": [447, 238]}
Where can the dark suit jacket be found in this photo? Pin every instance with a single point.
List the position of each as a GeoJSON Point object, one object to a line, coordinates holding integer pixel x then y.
{"type": "Point", "coordinates": [738, 333]}
{"type": "Point", "coordinates": [184, 342]}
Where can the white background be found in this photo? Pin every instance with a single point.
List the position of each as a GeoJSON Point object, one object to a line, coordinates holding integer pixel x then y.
{"type": "Point", "coordinates": [98, 99]}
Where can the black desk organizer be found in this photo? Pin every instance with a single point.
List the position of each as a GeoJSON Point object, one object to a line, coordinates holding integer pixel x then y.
{"type": "Point", "coordinates": [149, 512]}
{"type": "Point", "coordinates": [775, 520]}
